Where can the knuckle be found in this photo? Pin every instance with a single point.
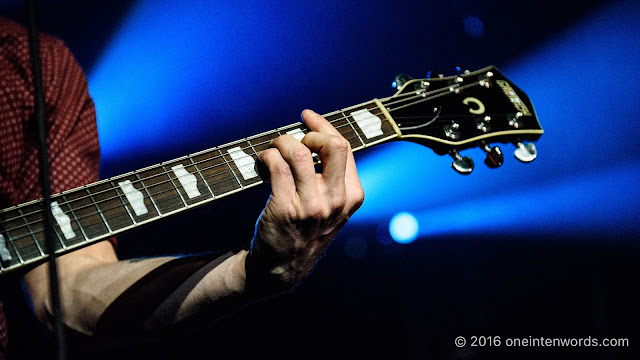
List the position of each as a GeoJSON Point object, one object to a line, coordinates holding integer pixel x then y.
{"type": "Point", "coordinates": [339, 143]}
{"type": "Point", "coordinates": [301, 154]}
{"type": "Point", "coordinates": [275, 142]}
{"type": "Point", "coordinates": [358, 197]}
{"type": "Point", "coordinates": [315, 210]}
{"type": "Point", "coordinates": [267, 154]}
{"type": "Point", "coordinates": [338, 202]}
{"type": "Point", "coordinates": [282, 169]}
{"type": "Point", "coordinates": [289, 212]}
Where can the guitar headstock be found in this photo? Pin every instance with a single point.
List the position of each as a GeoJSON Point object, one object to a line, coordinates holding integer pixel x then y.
{"type": "Point", "coordinates": [473, 109]}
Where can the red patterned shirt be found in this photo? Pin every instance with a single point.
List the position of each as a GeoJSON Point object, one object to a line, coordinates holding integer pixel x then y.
{"type": "Point", "coordinates": [72, 136]}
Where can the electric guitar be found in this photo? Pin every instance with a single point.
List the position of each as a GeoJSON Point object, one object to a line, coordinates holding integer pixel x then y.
{"type": "Point", "coordinates": [447, 114]}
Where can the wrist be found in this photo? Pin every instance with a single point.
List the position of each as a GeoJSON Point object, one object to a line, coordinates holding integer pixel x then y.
{"type": "Point", "coordinates": [266, 272]}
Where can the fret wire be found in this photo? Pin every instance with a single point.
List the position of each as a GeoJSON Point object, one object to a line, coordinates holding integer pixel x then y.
{"type": "Point", "coordinates": [175, 186]}
{"type": "Point", "coordinates": [31, 232]}
{"type": "Point", "coordinates": [75, 217]}
{"type": "Point", "coordinates": [352, 127]}
{"type": "Point", "coordinates": [201, 176]}
{"type": "Point", "coordinates": [93, 200]}
{"type": "Point", "coordinates": [232, 172]}
{"type": "Point", "coordinates": [11, 242]}
{"type": "Point", "coordinates": [252, 148]}
{"type": "Point", "coordinates": [148, 193]}
{"type": "Point", "coordinates": [64, 246]}
{"type": "Point", "coordinates": [123, 203]}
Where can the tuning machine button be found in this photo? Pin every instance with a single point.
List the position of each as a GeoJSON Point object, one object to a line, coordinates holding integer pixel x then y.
{"type": "Point", "coordinates": [525, 152]}
{"type": "Point", "coordinates": [400, 80]}
{"type": "Point", "coordinates": [494, 158]}
{"type": "Point", "coordinates": [462, 165]}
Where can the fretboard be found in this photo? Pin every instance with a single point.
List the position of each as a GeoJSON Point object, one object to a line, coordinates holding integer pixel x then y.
{"type": "Point", "coordinates": [98, 211]}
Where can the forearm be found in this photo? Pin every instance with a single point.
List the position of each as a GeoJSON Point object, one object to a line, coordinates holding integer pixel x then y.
{"type": "Point", "coordinates": [136, 295]}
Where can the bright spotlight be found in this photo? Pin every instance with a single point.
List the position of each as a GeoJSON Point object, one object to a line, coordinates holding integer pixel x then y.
{"type": "Point", "coordinates": [403, 227]}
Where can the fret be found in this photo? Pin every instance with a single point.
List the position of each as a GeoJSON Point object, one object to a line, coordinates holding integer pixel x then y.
{"type": "Point", "coordinates": [217, 174]}
{"type": "Point", "coordinates": [161, 189]}
{"type": "Point", "coordinates": [201, 176]}
{"type": "Point", "coordinates": [67, 238]}
{"type": "Point", "coordinates": [188, 181]}
{"type": "Point", "coordinates": [370, 123]}
{"type": "Point", "coordinates": [87, 213]}
{"type": "Point", "coordinates": [340, 121]}
{"type": "Point", "coordinates": [261, 142]}
{"type": "Point", "coordinates": [168, 172]}
{"type": "Point", "coordinates": [33, 216]}
{"type": "Point", "coordinates": [121, 193]}
{"type": "Point", "coordinates": [235, 176]}
{"type": "Point", "coordinates": [155, 206]}
{"type": "Point", "coordinates": [137, 199]}
{"type": "Point", "coordinates": [110, 205]}
{"type": "Point", "coordinates": [30, 230]}
{"type": "Point", "coordinates": [57, 245]}
{"type": "Point", "coordinates": [75, 218]}
{"type": "Point", "coordinates": [10, 249]}
{"type": "Point", "coordinates": [242, 160]}
{"type": "Point", "coordinates": [18, 235]}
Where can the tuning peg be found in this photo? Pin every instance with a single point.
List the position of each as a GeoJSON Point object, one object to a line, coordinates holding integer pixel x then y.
{"type": "Point", "coordinates": [525, 153]}
{"type": "Point", "coordinates": [462, 70]}
{"type": "Point", "coordinates": [434, 74]}
{"type": "Point", "coordinates": [400, 80]}
{"type": "Point", "coordinates": [462, 165]}
{"type": "Point", "coordinates": [494, 158]}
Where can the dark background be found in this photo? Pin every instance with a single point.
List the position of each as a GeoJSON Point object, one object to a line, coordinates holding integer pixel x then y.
{"type": "Point", "coordinates": [547, 249]}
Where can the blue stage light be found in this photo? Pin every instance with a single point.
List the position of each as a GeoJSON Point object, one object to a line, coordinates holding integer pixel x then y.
{"type": "Point", "coordinates": [581, 182]}
{"type": "Point", "coordinates": [403, 227]}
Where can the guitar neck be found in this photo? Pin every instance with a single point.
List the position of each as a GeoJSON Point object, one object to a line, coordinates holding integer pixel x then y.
{"type": "Point", "coordinates": [101, 210]}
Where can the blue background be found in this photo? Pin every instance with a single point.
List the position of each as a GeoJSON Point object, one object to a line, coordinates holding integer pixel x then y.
{"type": "Point", "coordinates": [546, 248]}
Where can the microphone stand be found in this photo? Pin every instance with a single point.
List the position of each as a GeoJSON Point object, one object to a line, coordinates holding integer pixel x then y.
{"type": "Point", "coordinates": [39, 108]}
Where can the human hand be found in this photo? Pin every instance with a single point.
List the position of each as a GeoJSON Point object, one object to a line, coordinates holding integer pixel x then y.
{"type": "Point", "coordinates": [306, 209]}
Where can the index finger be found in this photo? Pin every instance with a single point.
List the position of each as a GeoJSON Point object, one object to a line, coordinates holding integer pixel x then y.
{"type": "Point", "coordinates": [317, 122]}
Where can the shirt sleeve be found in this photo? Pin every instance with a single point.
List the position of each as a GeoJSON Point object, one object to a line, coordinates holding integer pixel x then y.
{"type": "Point", "coordinates": [74, 149]}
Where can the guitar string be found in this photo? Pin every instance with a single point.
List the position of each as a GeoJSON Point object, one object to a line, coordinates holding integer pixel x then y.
{"type": "Point", "coordinates": [419, 96]}
{"type": "Point", "coordinates": [245, 148]}
{"type": "Point", "coordinates": [171, 189]}
{"type": "Point", "coordinates": [119, 197]}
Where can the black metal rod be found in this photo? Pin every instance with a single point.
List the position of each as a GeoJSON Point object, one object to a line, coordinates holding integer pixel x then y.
{"type": "Point", "coordinates": [39, 109]}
